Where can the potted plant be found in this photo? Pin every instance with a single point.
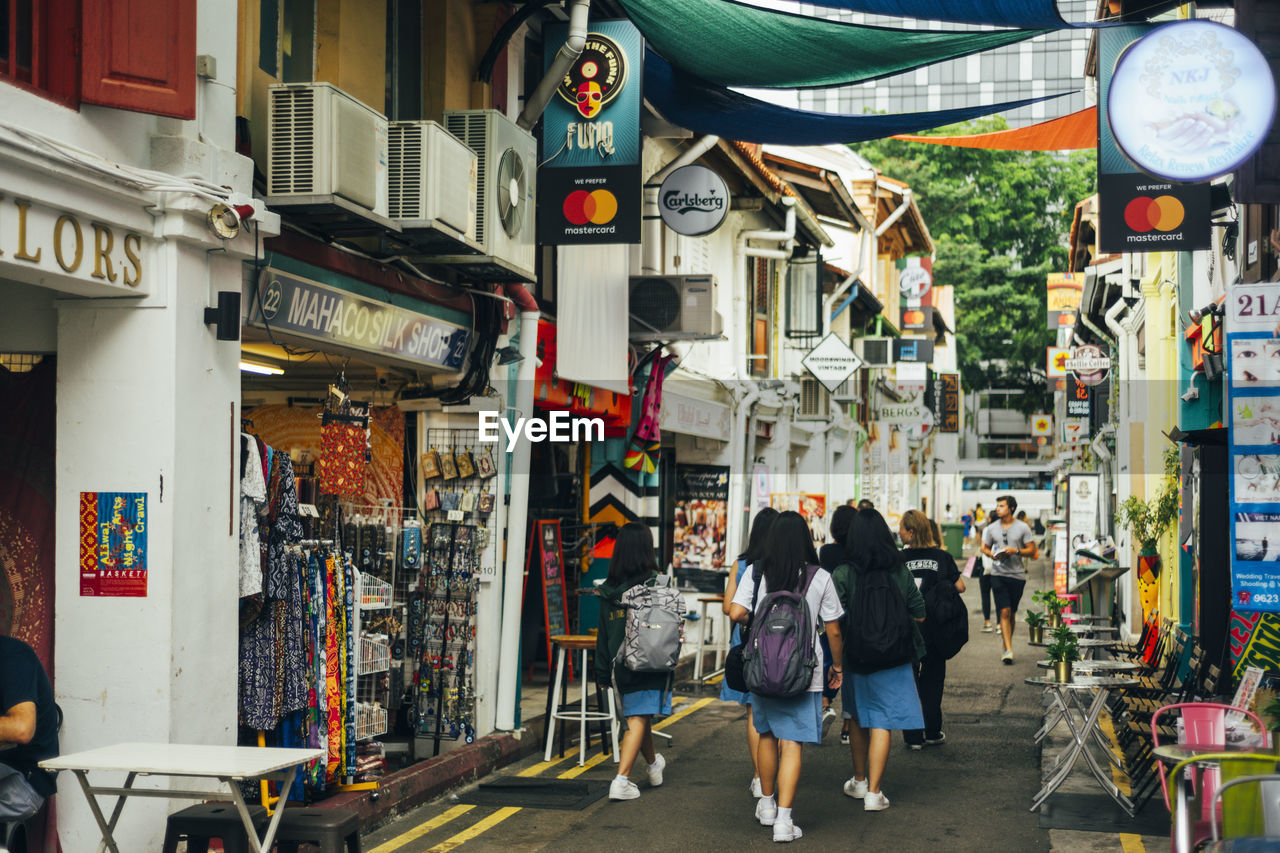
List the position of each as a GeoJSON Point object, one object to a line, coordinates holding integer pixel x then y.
{"type": "Point", "coordinates": [1035, 624]}
{"type": "Point", "coordinates": [1053, 605]}
{"type": "Point", "coordinates": [1063, 651]}
{"type": "Point", "coordinates": [1148, 520]}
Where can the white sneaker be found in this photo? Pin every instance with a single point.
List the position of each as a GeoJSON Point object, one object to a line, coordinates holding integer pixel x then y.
{"type": "Point", "coordinates": [623, 789]}
{"type": "Point", "coordinates": [829, 714]}
{"type": "Point", "coordinates": [856, 788]}
{"type": "Point", "coordinates": [754, 788]}
{"type": "Point", "coordinates": [655, 770]}
{"type": "Point", "coordinates": [786, 831]}
{"type": "Point", "coordinates": [874, 802]}
{"type": "Point", "coordinates": [766, 811]}
{"type": "Point", "coordinates": [1007, 657]}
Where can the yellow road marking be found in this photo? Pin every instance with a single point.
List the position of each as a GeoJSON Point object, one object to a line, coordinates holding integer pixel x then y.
{"type": "Point", "coordinates": [1129, 843]}
{"type": "Point", "coordinates": [537, 769]}
{"type": "Point", "coordinates": [475, 829]}
{"type": "Point", "coordinates": [1132, 843]}
{"type": "Point", "coordinates": [684, 712]}
{"type": "Point", "coordinates": [421, 830]}
{"type": "Point", "coordinates": [575, 772]}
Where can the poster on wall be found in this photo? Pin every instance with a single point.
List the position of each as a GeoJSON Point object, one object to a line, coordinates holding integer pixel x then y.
{"type": "Point", "coordinates": [1253, 392]}
{"type": "Point", "coordinates": [812, 506]}
{"type": "Point", "coordinates": [701, 517]}
{"type": "Point", "coordinates": [1063, 299]}
{"type": "Point", "coordinates": [1083, 501]}
{"type": "Point", "coordinates": [761, 484]}
{"type": "Point", "coordinates": [113, 544]}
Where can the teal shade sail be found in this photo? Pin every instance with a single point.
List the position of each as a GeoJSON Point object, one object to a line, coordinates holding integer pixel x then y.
{"type": "Point", "coordinates": [733, 44]}
{"type": "Point", "coordinates": [704, 107]}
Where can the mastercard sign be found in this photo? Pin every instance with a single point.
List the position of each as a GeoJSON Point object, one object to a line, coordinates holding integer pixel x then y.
{"type": "Point", "coordinates": [598, 207]}
{"type": "Point", "coordinates": [1162, 213]}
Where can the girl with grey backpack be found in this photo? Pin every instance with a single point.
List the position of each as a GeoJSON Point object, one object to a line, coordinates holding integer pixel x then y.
{"type": "Point", "coordinates": [643, 694]}
{"type": "Point", "coordinates": [785, 583]}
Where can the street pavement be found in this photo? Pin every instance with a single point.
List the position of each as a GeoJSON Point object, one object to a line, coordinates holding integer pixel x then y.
{"type": "Point", "coordinates": [970, 794]}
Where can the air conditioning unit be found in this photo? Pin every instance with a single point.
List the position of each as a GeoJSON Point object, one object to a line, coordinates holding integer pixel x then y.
{"type": "Point", "coordinates": [875, 352]}
{"type": "Point", "coordinates": [323, 142]}
{"type": "Point", "coordinates": [813, 399]}
{"type": "Point", "coordinates": [673, 307]}
{"type": "Point", "coordinates": [431, 178]}
{"type": "Point", "coordinates": [504, 218]}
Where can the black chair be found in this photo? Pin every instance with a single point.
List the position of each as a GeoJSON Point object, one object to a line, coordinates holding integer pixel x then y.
{"type": "Point", "coordinates": [199, 824]}
{"type": "Point", "coordinates": [332, 830]}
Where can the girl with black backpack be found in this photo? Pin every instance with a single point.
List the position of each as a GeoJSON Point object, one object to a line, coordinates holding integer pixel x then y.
{"type": "Point", "coordinates": [643, 694]}
{"type": "Point", "coordinates": [930, 565]}
{"type": "Point", "coordinates": [789, 563]}
{"type": "Point", "coordinates": [760, 528]}
{"type": "Point", "coordinates": [882, 642]}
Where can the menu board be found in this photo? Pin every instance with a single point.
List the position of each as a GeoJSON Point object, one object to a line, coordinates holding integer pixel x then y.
{"type": "Point", "coordinates": [1253, 388]}
{"type": "Point", "coordinates": [547, 557]}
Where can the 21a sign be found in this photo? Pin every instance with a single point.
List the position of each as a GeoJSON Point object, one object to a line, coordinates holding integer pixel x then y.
{"type": "Point", "coordinates": [1254, 307]}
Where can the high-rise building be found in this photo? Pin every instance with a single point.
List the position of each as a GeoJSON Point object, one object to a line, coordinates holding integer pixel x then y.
{"type": "Point", "coordinates": [1045, 65]}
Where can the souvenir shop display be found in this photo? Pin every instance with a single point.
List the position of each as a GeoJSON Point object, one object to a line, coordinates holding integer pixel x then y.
{"type": "Point", "coordinates": [484, 465]}
{"type": "Point", "coordinates": [430, 465]}
{"type": "Point", "coordinates": [466, 468]}
{"type": "Point", "coordinates": [448, 468]}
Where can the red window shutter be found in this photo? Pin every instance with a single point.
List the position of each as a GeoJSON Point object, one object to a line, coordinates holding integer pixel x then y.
{"type": "Point", "coordinates": [140, 55]}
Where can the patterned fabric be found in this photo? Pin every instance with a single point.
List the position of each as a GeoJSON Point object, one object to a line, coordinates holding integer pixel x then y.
{"type": "Point", "coordinates": [283, 525]}
{"type": "Point", "coordinates": [333, 673]}
{"type": "Point", "coordinates": [341, 466]}
{"type": "Point", "coordinates": [253, 499]}
{"type": "Point", "coordinates": [646, 442]}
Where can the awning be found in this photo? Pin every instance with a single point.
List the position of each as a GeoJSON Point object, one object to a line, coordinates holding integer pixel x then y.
{"type": "Point", "coordinates": [1071, 132]}
{"type": "Point", "coordinates": [997, 13]}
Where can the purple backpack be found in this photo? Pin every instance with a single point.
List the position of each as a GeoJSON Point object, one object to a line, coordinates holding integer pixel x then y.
{"type": "Point", "coordinates": [780, 654]}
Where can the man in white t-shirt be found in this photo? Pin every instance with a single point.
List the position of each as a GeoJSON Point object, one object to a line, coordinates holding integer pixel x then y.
{"type": "Point", "coordinates": [1006, 542]}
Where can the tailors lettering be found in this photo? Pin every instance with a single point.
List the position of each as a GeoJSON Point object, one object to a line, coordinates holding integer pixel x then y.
{"type": "Point", "coordinates": [23, 254]}
{"type": "Point", "coordinates": [102, 242]}
{"type": "Point", "coordinates": [131, 252]}
{"type": "Point", "coordinates": [59, 228]}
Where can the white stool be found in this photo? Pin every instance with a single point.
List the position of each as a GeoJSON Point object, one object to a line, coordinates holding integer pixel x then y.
{"type": "Point", "coordinates": [565, 645]}
{"type": "Point", "coordinates": [720, 635]}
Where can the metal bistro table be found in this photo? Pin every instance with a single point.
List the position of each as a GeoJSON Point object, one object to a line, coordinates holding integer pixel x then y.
{"type": "Point", "coordinates": [1086, 644]}
{"type": "Point", "coordinates": [1087, 667]}
{"type": "Point", "coordinates": [1081, 733]}
{"type": "Point", "coordinates": [1092, 629]}
{"type": "Point", "coordinates": [228, 764]}
{"type": "Point", "coordinates": [1172, 753]}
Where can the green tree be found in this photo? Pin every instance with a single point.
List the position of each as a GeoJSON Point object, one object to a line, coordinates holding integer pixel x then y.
{"type": "Point", "coordinates": [1000, 222]}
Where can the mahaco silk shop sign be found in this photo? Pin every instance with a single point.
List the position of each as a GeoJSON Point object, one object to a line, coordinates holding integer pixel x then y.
{"type": "Point", "coordinates": [312, 310]}
{"type": "Point", "coordinates": [1138, 212]}
{"type": "Point", "coordinates": [589, 187]}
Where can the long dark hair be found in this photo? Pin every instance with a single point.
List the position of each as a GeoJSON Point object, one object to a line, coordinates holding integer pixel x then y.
{"type": "Point", "coordinates": [760, 528]}
{"type": "Point", "coordinates": [788, 550]}
{"type": "Point", "coordinates": [633, 557]}
{"type": "Point", "coordinates": [840, 521]}
{"type": "Point", "coordinates": [870, 544]}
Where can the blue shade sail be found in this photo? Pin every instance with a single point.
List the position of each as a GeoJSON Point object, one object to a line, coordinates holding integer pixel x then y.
{"type": "Point", "coordinates": [704, 107]}
{"type": "Point", "coordinates": [1030, 14]}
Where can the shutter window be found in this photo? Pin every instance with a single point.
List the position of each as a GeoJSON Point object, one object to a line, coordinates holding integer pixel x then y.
{"type": "Point", "coordinates": [1258, 180]}
{"type": "Point", "coordinates": [140, 55]}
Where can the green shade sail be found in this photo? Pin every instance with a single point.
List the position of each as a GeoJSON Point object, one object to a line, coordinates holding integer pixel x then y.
{"type": "Point", "coordinates": [734, 44]}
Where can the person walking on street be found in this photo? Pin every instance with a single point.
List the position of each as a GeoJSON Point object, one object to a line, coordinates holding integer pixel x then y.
{"type": "Point", "coordinates": [983, 572]}
{"type": "Point", "coordinates": [878, 697]}
{"type": "Point", "coordinates": [760, 528]}
{"type": "Point", "coordinates": [929, 564]}
{"type": "Point", "coordinates": [829, 556]}
{"type": "Point", "coordinates": [1006, 542]}
{"type": "Point", "coordinates": [785, 724]}
{"type": "Point", "coordinates": [643, 694]}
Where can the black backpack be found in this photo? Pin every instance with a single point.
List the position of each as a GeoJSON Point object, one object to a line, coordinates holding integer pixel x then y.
{"type": "Point", "coordinates": [946, 624]}
{"type": "Point", "coordinates": [880, 634]}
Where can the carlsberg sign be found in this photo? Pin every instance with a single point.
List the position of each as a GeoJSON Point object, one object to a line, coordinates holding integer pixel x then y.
{"type": "Point", "coordinates": [693, 201]}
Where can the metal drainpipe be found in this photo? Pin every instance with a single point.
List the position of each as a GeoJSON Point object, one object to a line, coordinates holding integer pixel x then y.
{"type": "Point", "coordinates": [897, 213]}
{"type": "Point", "coordinates": [517, 517]}
{"type": "Point", "coordinates": [568, 54]}
{"type": "Point", "coordinates": [787, 236]}
{"type": "Point", "coordinates": [651, 262]}
{"type": "Point", "coordinates": [743, 454]}
{"type": "Point", "coordinates": [864, 251]}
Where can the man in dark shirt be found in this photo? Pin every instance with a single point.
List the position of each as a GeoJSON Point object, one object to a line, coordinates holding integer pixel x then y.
{"type": "Point", "coordinates": [28, 731]}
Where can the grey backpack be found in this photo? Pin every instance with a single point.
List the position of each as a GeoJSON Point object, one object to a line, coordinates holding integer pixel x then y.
{"type": "Point", "coordinates": [654, 629]}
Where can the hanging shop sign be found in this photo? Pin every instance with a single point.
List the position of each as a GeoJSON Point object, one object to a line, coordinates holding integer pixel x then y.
{"type": "Point", "coordinates": [902, 414]}
{"type": "Point", "coordinates": [831, 362]}
{"type": "Point", "coordinates": [113, 544]}
{"type": "Point", "coordinates": [1056, 362]}
{"type": "Point", "coordinates": [1089, 364]}
{"type": "Point", "coordinates": [1253, 392]}
{"type": "Point", "coordinates": [914, 281]}
{"type": "Point", "coordinates": [701, 517]}
{"type": "Point", "coordinates": [693, 201]}
{"type": "Point", "coordinates": [1075, 430]}
{"type": "Point", "coordinates": [949, 402]}
{"type": "Point", "coordinates": [1191, 100]}
{"type": "Point", "coordinates": [917, 319]}
{"type": "Point", "coordinates": [1042, 424]}
{"type": "Point", "coordinates": [1083, 502]}
{"type": "Point", "coordinates": [1064, 291]}
{"type": "Point", "coordinates": [1079, 400]}
{"type": "Point", "coordinates": [1138, 213]}
{"type": "Point", "coordinates": [589, 188]}
{"type": "Point", "coordinates": [913, 349]}
{"type": "Point", "coordinates": [298, 306]}
{"type": "Point", "coordinates": [70, 251]}
{"type": "Point", "coordinates": [691, 416]}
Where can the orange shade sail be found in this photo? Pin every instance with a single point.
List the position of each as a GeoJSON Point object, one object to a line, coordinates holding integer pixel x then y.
{"type": "Point", "coordinates": [1068, 133]}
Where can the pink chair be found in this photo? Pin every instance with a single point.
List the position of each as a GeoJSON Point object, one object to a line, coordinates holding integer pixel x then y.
{"type": "Point", "coordinates": [1203, 725]}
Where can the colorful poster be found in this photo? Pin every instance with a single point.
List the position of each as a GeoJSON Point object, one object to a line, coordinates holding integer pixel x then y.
{"type": "Point", "coordinates": [1064, 299]}
{"type": "Point", "coordinates": [1083, 500]}
{"type": "Point", "coordinates": [701, 517]}
{"type": "Point", "coordinates": [810, 505]}
{"type": "Point", "coordinates": [1253, 389]}
{"type": "Point", "coordinates": [113, 544]}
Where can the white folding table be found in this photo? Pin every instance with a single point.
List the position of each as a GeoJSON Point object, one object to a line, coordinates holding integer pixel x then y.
{"type": "Point", "coordinates": [227, 764]}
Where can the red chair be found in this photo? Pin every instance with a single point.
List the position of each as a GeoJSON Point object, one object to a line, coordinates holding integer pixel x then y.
{"type": "Point", "coordinates": [1203, 725]}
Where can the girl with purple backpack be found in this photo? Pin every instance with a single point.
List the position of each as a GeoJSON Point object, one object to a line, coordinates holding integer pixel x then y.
{"type": "Point", "coordinates": [789, 562]}
{"type": "Point", "coordinates": [755, 549]}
